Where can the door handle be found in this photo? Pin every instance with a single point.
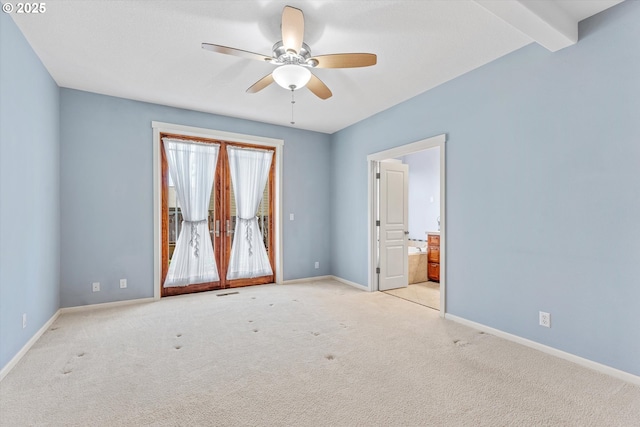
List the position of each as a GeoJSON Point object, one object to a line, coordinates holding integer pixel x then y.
{"type": "Point", "coordinates": [406, 232]}
{"type": "Point", "coordinates": [217, 228]}
{"type": "Point", "coordinates": [229, 232]}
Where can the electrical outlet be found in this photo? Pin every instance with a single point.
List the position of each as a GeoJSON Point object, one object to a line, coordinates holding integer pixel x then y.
{"type": "Point", "coordinates": [24, 320]}
{"type": "Point", "coordinates": [95, 286]}
{"type": "Point", "coordinates": [545, 319]}
{"type": "Point", "coordinates": [123, 283]}
{"type": "Point", "coordinates": [317, 264]}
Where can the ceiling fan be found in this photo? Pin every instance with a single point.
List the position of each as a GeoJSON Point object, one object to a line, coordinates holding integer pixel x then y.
{"type": "Point", "coordinates": [294, 60]}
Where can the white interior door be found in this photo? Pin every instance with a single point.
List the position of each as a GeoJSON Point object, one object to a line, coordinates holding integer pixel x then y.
{"type": "Point", "coordinates": [393, 209]}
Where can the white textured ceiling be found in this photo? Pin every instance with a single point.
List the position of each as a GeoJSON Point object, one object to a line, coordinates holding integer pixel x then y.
{"type": "Point", "coordinates": [150, 51]}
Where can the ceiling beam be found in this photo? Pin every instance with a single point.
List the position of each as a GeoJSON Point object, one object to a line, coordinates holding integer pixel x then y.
{"type": "Point", "coordinates": [544, 21]}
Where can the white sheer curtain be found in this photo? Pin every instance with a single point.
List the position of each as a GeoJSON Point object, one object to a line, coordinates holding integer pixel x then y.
{"type": "Point", "coordinates": [192, 167]}
{"type": "Point", "coordinates": [249, 173]}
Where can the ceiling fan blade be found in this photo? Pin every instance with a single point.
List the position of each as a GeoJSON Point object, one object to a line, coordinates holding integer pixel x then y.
{"type": "Point", "coordinates": [346, 60]}
{"type": "Point", "coordinates": [318, 88]}
{"type": "Point", "coordinates": [235, 52]}
{"type": "Point", "coordinates": [292, 28]}
{"type": "Point", "coordinates": [261, 84]}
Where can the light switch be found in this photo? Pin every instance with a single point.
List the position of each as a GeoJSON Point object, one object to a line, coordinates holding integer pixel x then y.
{"type": "Point", "coordinates": [431, 199]}
{"type": "Point", "coordinates": [290, 217]}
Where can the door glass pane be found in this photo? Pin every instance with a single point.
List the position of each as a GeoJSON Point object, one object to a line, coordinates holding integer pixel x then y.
{"type": "Point", "coordinates": [212, 217]}
{"type": "Point", "coordinates": [232, 211]}
{"type": "Point", "coordinates": [175, 218]}
{"type": "Point", "coordinates": [262, 214]}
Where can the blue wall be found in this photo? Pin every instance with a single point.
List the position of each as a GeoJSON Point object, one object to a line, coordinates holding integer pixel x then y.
{"type": "Point", "coordinates": [107, 194]}
{"type": "Point", "coordinates": [543, 189]}
{"type": "Point", "coordinates": [29, 192]}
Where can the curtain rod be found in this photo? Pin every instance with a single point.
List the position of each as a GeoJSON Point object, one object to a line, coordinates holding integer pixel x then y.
{"type": "Point", "coordinates": [260, 150]}
{"type": "Point", "coordinates": [229, 146]}
{"type": "Point", "coordinates": [190, 141]}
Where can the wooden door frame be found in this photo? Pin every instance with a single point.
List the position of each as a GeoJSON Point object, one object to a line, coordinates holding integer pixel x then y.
{"type": "Point", "coordinates": [210, 134]}
{"type": "Point", "coordinates": [164, 218]}
{"type": "Point", "coordinates": [222, 243]}
{"type": "Point", "coordinates": [403, 150]}
{"type": "Point", "coordinates": [235, 283]}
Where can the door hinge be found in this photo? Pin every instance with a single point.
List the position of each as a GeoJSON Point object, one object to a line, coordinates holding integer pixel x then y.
{"type": "Point", "coordinates": [377, 175]}
{"type": "Point", "coordinates": [377, 223]}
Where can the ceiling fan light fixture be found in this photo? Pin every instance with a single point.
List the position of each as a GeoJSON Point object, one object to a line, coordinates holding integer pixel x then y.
{"type": "Point", "coordinates": [291, 76]}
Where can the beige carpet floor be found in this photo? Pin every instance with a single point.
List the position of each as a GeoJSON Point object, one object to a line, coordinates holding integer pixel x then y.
{"type": "Point", "coordinates": [424, 293]}
{"type": "Point", "coordinates": [314, 354]}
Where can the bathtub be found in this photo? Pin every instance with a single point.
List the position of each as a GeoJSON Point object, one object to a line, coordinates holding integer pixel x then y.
{"type": "Point", "coordinates": [418, 264]}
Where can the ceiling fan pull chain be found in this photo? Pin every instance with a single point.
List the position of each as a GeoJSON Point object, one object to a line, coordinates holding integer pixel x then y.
{"type": "Point", "coordinates": [293, 101]}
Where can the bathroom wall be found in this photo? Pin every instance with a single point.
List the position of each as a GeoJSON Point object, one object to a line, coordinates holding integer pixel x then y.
{"type": "Point", "coordinates": [424, 192]}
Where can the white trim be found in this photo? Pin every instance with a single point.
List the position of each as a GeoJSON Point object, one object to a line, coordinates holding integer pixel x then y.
{"type": "Point", "coordinates": [443, 227]}
{"type": "Point", "coordinates": [79, 308]}
{"type": "Point", "coordinates": [372, 200]}
{"type": "Point", "coordinates": [590, 364]}
{"type": "Point", "coordinates": [403, 150]}
{"type": "Point", "coordinates": [328, 277]}
{"type": "Point", "coordinates": [350, 283]}
{"type": "Point", "coordinates": [307, 280]}
{"type": "Point", "coordinates": [215, 134]}
{"type": "Point", "coordinates": [160, 127]}
{"type": "Point", "coordinates": [15, 359]}
{"type": "Point", "coordinates": [157, 209]}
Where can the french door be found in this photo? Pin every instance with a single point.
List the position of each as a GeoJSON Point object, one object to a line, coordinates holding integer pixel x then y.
{"type": "Point", "coordinates": [221, 219]}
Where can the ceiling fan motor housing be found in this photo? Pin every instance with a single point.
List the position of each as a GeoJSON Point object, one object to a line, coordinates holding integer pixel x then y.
{"type": "Point", "coordinates": [282, 56]}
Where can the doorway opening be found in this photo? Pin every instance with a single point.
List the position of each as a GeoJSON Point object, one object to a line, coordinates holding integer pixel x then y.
{"type": "Point", "coordinates": [407, 222]}
{"type": "Point", "coordinates": [217, 216]}
{"type": "Point", "coordinates": [424, 229]}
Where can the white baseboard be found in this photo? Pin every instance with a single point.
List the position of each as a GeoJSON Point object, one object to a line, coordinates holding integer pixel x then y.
{"type": "Point", "coordinates": [106, 305]}
{"type": "Point", "coordinates": [306, 280]}
{"type": "Point", "coordinates": [599, 367]}
{"type": "Point", "coordinates": [329, 277]}
{"type": "Point", "coordinates": [14, 361]}
{"type": "Point", "coordinates": [350, 283]}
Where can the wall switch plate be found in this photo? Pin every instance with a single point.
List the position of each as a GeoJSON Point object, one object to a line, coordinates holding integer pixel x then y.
{"type": "Point", "coordinates": [24, 320]}
{"type": "Point", "coordinates": [123, 283]}
{"type": "Point", "coordinates": [317, 264]}
{"type": "Point", "coordinates": [95, 286]}
{"type": "Point", "coordinates": [545, 319]}
{"type": "Point", "coordinates": [290, 217]}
